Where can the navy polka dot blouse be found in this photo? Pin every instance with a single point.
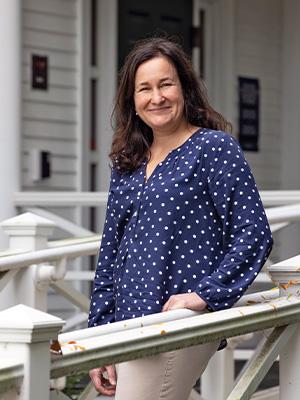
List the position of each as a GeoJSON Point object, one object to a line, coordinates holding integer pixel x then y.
{"type": "Point", "coordinates": [196, 225]}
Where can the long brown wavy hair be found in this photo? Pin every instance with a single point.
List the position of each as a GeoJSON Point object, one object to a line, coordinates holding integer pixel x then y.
{"type": "Point", "coordinates": [132, 137]}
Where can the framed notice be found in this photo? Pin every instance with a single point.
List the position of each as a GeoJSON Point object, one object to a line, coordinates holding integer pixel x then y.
{"type": "Point", "coordinates": [39, 78]}
{"type": "Point", "coordinates": [249, 96]}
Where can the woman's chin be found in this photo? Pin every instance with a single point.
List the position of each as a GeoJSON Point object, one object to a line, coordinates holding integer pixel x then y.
{"type": "Point", "coordinates": [162, 124]}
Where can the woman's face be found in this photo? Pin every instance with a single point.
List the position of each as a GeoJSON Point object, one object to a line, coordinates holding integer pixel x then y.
{"type": "Point", "coordinates": [158, 95]}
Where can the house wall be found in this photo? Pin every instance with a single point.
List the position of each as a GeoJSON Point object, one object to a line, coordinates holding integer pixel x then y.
{"type": "Point", "coordinates": [50, 117]}
{"type": "Point", "coordinates": [290, 127]}
{"type": "Point", "coordinates": [290, 62]}
{"type": "Point", "coordinates": [266, 47]}
{"type": "Point", "coordinates": [258, 37]}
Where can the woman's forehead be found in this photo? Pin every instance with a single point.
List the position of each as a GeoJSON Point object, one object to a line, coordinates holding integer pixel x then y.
{"type": "Point", "coordinates": [156, 68]}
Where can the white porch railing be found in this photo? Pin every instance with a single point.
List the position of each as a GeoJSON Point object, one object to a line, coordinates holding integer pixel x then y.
{"type": "Point", "coordinates": [36, 202]}
{"type": "Point", "coordinates": [33, 263]}
{"type": "Point", "coordinates": [25, 334]}
{"type": "Point", "coordinates": [94, 199]}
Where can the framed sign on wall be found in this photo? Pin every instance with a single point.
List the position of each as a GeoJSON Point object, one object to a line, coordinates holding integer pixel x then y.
{"type": "Point", "coordinates": [39, 78]}
{"type": "Point", "coordinates": [249, 98]}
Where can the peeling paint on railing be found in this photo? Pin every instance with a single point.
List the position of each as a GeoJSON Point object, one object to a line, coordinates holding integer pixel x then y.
{"type": "Point", "coordinates": [105, 347]}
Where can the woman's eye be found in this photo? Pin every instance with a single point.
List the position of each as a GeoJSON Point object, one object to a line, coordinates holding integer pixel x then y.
{"type": "Point", "coordinates": [143, 89]}
{"type": "Point", "coordinates": [166, 84]}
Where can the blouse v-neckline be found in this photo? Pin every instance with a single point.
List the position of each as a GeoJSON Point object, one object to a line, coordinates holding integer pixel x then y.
{"type": "Point", "coordinates": [176, 149]}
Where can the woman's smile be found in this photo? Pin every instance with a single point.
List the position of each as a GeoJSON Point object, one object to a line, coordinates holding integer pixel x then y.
{"type": "Point", "coordinates": [161, 109]}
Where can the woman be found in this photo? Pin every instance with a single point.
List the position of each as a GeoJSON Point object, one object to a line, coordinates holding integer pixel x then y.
{"type": "Point", "coordinates": [185, 226]}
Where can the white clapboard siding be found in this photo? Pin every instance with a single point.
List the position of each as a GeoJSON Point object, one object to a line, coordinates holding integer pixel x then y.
{"type": "Point", "coordinates": [262, 17]}
{"type": "Point", "coordinates": [266, 50]}
{"type": "Point", "coordinates": [54, 95]}
{"type": "Point", "coordinates": [58, 59]}
{"type": "Point", "coordinates": [269, 165]}
{"type": "Point", "coordinates": [59, 164]}
{"type": "Point", "coordinates": [268, 111]}
{"type": "Point", "coordinates": [271, 130]}
{"type": "Point", "coordinates": [49, 40]}
{"type": "Point", "coordinates": [270, 135]}
{"type": "Point", "coordinates": [57, 77]}
{"type": "Point", "coordinates": [49, 23]}
{"type": "Point", "coordinates": [267, 74]}
{"type": "Point", "coordinates": [260, 25]}
{"type": "Point", "coordinates": [258, 55]}
{"type": "Point", "coordinates": [271, 95]}
{"type": "Point", "coordinates": [57, 182]}
{"type": "Point", "coordinates": [267, 142]}
{"type": "Point", "coordinates": [61, 148]}
{"type": "Point", "coordinates": [265, 185]}
{"type": "Point", "coordinates": [264, 30]}
{"type": "Point", "coordinates": [50, 118]}
{"type": "Point", "coordinates": [63, 181]}
{"type": "Point", "coordinates": [45, 130]}
{"type": "Point", "coordinates": [66, 8]}
{"type": "Point", "coordinates": [48, 111]}
{"type": "Point", "coordinates": [50, 130]}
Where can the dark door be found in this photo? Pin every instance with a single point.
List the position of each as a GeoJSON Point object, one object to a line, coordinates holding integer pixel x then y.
{"type": "Point", "coordinates": [143, 18]}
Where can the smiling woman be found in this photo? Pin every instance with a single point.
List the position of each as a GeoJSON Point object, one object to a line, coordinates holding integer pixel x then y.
{"type": "Point", "coordinates": [133, 137]}
{"type": "Point", "coordinates": [185, 226]}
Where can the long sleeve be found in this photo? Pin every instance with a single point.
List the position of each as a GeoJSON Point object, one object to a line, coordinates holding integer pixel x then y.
{"type": "Point", "coordinates": [247, 239]}
{"type": "Point", "coordinates": [102, 306]}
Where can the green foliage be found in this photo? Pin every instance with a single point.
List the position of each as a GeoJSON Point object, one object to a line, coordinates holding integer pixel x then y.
{"type": "Point", "coordinates": [75, 385]}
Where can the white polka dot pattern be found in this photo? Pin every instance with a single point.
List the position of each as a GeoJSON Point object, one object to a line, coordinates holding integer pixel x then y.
{"type": "Point", "coordinates": [197, 224]}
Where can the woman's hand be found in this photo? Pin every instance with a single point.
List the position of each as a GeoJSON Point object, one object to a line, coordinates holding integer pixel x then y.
{"type": "Point", "coordinates": [101, 384]}
{"type": "Point", "coordinates": [185, 300]}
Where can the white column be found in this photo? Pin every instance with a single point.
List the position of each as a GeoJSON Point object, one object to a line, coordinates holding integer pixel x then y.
{"type": "Point", "coordinates": [10, 110]}
{"type": "Point", "coordinates": [25, 336]}
{"type": "Point", "coordinates": [286, 275]}
{"type": "Point", "coordinates": [27, 232]}
{"type": "Point", "coordinates": [108, 68]}
{"type": "Point", "coordinates": [218, 377]}
{"type": "Point", "coordinates": [290, 126]}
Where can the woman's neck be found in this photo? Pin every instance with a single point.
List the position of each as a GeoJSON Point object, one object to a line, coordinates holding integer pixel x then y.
{"type": "Point", "coordinates": [166, 141]}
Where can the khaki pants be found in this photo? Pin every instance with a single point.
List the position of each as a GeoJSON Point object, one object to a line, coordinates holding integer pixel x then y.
{"type": "Point", "coordinates": [166, 376]}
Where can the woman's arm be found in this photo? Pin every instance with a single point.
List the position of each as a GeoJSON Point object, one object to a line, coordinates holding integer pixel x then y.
{"type": "Point", "coordinates": [247, 239]}
{"type": "Point", "coordinates": [102, 306]}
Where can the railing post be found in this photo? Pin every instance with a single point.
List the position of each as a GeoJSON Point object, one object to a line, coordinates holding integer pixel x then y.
{"type": "Point", "coordinates": [286, 274]}
{"type": "Point", "coordinates": [25, 336]}
{"type": "Point", "coordinates": [218, 377]}
{"type": "Point", "coordinates": [26, 232]}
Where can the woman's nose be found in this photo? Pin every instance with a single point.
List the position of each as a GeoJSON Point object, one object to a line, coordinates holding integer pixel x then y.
{"type": "Point", "coordinates": [157, 97]}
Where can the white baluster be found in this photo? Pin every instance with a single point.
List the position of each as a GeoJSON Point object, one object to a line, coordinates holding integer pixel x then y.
{"type": "Point", "coordinates": [286, 274]}
{"type": "Point", "coordinates": [217, 380]}
{"type": "Point", "coordinates": [25, 336]}
{"type": "Point", "coordinates": [26, 232]}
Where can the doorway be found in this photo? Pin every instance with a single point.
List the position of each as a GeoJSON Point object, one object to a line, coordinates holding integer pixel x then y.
{"type": "Point", "coordinates": [141, 19]}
